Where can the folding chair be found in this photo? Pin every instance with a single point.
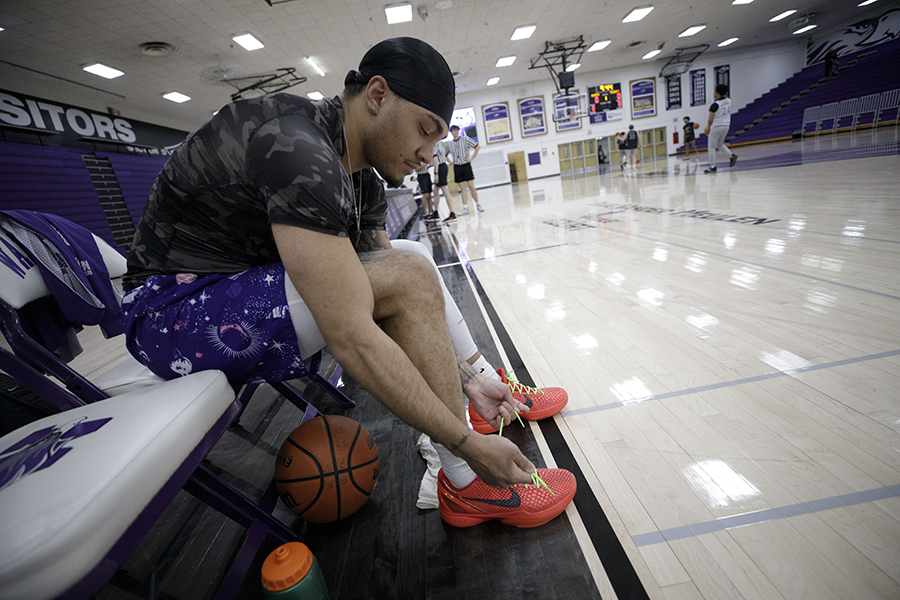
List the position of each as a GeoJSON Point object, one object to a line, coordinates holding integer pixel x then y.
{"type": "Point", "coordinates": [810, 117]}
{"type": "Point", "coordinates": [828, 112]}
{"type": "Point", "coordinates": [867, 104]}
{"type": "Point", "coordinates": [20, 284]}
{"type": "Point", "coordinates": [890, 105]}
{"type": "Point", "coordinates": [846, 109]}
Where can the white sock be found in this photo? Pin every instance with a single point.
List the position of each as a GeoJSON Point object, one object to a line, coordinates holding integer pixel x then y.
{"type": "Point", "coordinates": [455, 469]}
{"type": "Point", "coordinates": [484, 367]}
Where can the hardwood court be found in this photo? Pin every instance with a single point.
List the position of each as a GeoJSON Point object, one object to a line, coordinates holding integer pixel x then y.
{"type": "Point", "coordinates": [731, 349]}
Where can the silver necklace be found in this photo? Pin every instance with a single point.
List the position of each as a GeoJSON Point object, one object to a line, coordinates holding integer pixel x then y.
{"type": "Point", "coordinates": [358, 207]}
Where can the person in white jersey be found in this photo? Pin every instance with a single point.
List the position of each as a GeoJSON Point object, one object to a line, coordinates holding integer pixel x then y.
{"type": "Point", "coordinates": [458, 149]}
{"type": "Point", "coordinates": [439, 160]}
{"type": "Point", "coordinates": [717, 127]}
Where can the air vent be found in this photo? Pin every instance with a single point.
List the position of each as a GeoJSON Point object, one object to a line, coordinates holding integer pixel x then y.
{"type": "Point", "coordinates": [156, 48]}
{"type": "Point", "coordinates": [634, 44]}
{"type": "Point", "coordinates": [458, 74]}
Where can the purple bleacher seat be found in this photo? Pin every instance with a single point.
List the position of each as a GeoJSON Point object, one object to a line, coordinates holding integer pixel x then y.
{"type": "Point", "coordinates": [51, 179]}
{"type": "Point", "coordinates": [136, 175]}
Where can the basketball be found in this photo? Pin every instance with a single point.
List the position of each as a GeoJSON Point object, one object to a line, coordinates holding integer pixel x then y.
{"type": "Point", "coordinates": [326, 469]}
{"type": "Point", "coordinates": [696, 125]}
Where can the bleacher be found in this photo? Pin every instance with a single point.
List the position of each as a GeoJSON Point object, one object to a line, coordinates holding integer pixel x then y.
{"type": "Point", "coordinates": [56, 180]}
{"type": "Point", "coordinates": [870, 77]}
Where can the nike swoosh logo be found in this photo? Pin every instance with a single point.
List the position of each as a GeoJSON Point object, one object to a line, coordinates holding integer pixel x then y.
{"type": "Point", "coordinates": [514, 501]}
{"type": "Point", "coordinates": [528, 401]}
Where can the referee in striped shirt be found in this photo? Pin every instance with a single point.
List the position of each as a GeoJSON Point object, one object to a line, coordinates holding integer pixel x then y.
{"type": "Point", "coordinates": [440, 174]}
{"type": "Point", "coordinates": [458, 148]}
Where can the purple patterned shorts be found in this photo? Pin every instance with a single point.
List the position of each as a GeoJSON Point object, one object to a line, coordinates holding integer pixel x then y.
{"type": "Point", "coordinates": [238, 324]}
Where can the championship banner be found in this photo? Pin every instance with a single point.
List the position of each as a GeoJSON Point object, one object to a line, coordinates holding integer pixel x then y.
{"type": "Point", "coordinates": [532, 117]}
{"type": "Point", "coordinates": [31, 115]}
{"type": "Point", "coordinates": [496, 122]}
{"type": "Point", "coordinates": [643, 98]}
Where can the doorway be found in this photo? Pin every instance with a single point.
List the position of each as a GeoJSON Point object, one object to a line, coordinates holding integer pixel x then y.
{"type": "Point", "coordinates": [517, 170]}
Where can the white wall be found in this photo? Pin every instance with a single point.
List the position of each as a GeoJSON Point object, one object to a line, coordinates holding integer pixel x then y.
{"type": "Point", "coordinates": [754, 71]}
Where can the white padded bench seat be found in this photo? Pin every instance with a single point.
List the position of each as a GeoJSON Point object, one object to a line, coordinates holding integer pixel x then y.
{"type": "Point", "coordinates": [58, 522]}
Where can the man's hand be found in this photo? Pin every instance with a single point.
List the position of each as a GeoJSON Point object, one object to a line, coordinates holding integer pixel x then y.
{"type": "Point", "coordinates": [492, 400]}
{"type": "Point", "coordinates": [498, 461]}
{"type": "Point", "coordinates": [706, 130]}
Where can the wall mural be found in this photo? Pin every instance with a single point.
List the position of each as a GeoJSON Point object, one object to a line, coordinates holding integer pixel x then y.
{"type": "Point", "coordinates": [856, 37]}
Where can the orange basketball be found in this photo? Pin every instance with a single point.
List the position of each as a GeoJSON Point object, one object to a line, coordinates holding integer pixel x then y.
{"type": "Point", "coordinates": [326, 468]}
{"type": "Point", "coordinates": [696, 125]}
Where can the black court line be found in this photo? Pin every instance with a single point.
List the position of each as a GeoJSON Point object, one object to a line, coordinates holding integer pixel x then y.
{"type": "Point", "coordinates": [618, 567]}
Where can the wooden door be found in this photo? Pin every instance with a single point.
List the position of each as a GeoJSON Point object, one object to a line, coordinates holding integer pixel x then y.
{"type": "Point", "coordinates": [565, 157]}
{"type": "Point", "coordinates": [517, 169]}
{"type": "Point", "coordinates": [590, 154]}
{"type": "Point", "coordinates": [577, 156]}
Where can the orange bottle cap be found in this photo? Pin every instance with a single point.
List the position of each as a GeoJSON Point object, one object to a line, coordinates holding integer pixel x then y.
{"type": "Point", "coordinates": [285, 566]}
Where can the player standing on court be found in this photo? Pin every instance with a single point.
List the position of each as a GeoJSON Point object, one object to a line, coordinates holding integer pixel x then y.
{"type": "Point", "coordinates": [689, 139]}
{"type": "Point", "coordinates": [717, 128]}
{"type": "Point", "coordinates": [440, 174]}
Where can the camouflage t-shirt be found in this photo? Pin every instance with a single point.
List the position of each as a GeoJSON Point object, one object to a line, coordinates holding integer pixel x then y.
{"type": "Point", "coordinates": [273, 159]}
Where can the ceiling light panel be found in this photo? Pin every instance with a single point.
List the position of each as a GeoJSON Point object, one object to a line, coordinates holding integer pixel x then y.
{"type": "Point", "coordinates": [599, 45]}
{"type": "Point", "coordinates": [523, 32]}
{"type": "Point", "coordinates": [493, 81]}
{"type": "Point", "coordinates": [505, 61]}
{"type": "Point", "coordinates": [571, 68]}
{"type": "Point", "coordinates": [692, 30]}
{"type": "Point", "coordinates": [728, 42]}
{"type": "Point", "coordinates": [651, 54]}
{"type": "Point", "coordinates": [176, 97]}
{"type": "Point", "coordinates": [637, 14]}
{"type": "Point", "coordinates": [248, 42]}
{"type": "Point", "coordinates": [805, 29]}
{"type": "Point", "coordinates": [103, 71]}
{"type": "Point", "coordinates": [783, 15]}
{"type": "Point", "coordinates": [398, 13]}
{"type": "Point", "coordinates": [317, 95]}
{"type": "Point", "coordinates": [315, 66]}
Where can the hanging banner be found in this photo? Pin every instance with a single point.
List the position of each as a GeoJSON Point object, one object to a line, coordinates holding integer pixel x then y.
{"type": "Point", "coordinates": [496, 122]}
{"type": "Point", "coordinates": [75, 126]}
{"type": "Point", "coordinates": [643, 98]}
{"type": "Point", "coordinates": [532, 117]}
{"type": "Point", "coordinates": [698, 87]}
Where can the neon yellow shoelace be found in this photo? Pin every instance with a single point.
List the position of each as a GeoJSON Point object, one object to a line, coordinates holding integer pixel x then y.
{"type": "Point", "coordinates": [518, 388]}
{"type": "Point", "coordinates": [537, 482]}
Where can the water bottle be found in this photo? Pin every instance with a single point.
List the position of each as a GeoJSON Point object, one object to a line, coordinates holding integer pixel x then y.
{"type": "Point", "coordinates": [291, 572]}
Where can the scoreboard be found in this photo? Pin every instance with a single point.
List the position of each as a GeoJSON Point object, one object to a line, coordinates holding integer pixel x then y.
{"type": "Point", "coordinates": [603, 98]}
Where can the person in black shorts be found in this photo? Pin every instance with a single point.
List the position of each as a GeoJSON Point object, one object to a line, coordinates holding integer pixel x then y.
{"type": "Point", "coordinates": [632, 143]}
{"type": "Point", "coordinates": [620, 142]}
{"type": "Point", "coordinates": [423, 177]}
{"type": "Point", "coordinates": [689, 139]}
{"type": "Point", "coordinates": [458, 149]}
{"type": "Point", "coordinates": [439, 161]}
{"type": "Point", "coordinates": [263, 238]}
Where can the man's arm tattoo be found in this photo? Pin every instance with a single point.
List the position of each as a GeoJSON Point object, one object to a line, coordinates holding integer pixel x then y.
{"type": "Point", "coordinates": [458, 445]}
{"type": "Point", "coordinates": [466, 371]}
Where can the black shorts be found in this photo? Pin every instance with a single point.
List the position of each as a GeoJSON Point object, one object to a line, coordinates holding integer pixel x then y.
{"type": "Point", "coordinates": [442, 175]}
{"type": "Point", "coordinates": [463, 172]}
{"type": "Point", "coordinates": [688, 140]}
{"type": "Point", "coordinates": [424, 180]}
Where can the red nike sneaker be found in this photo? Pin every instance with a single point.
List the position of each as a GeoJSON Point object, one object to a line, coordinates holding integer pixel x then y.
{"type": "Point", "coordinates": [520, 505]}
{"type": "Point", "coordinates": [541, 402]}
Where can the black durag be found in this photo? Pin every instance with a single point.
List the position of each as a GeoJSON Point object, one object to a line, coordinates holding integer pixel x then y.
{"type": "Point", "coordinates": [414, 71]}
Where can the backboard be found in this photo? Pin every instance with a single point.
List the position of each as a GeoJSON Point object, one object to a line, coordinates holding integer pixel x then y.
{"type": "Point", "coordinates": [570, 107]}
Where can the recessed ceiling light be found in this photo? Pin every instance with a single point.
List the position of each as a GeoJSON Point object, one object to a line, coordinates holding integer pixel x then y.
{"type": "Point", "coordinates": [742, 1]}
{"type": "Point", "coordinates": [1, 29]}
{"type": "Point", "coordinates": [805, 29]}
{"type": "Point", "coordinates": [493, 81]}
{"type": "Point", "coordinates": [523, 32]}
{"type": "Point", "coordinates": [505, 61]}
{"type": "Point", "coordinates": [651, 54]}
{"type": "Point", "coordinates": [637, 14]}
{"type": "Point", "coordinates": [315, 66]}
{"type": "Point", "coordinates": [571, 68]}
{"type": "Point", "coordinates": [866, 3]}
{"type": "Point", "coordinates": [692, 30]}
{"type": "Point", "coordinates": [317, 95]}
{"type": "Point", "coordinates": [248, 42]}
{"type": "Point", "coordinates": [783, 15]}
{"type": "Point", "coordinates": [599, 45]}
{"type": "Point", "coordinates": [103, 71]}
{"type": "Point", "coordinates": [728, 42]}
{"type": "Point", "coordinates": [176, 97]}
{"type": "Point", "coordinates": [398, 13]}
